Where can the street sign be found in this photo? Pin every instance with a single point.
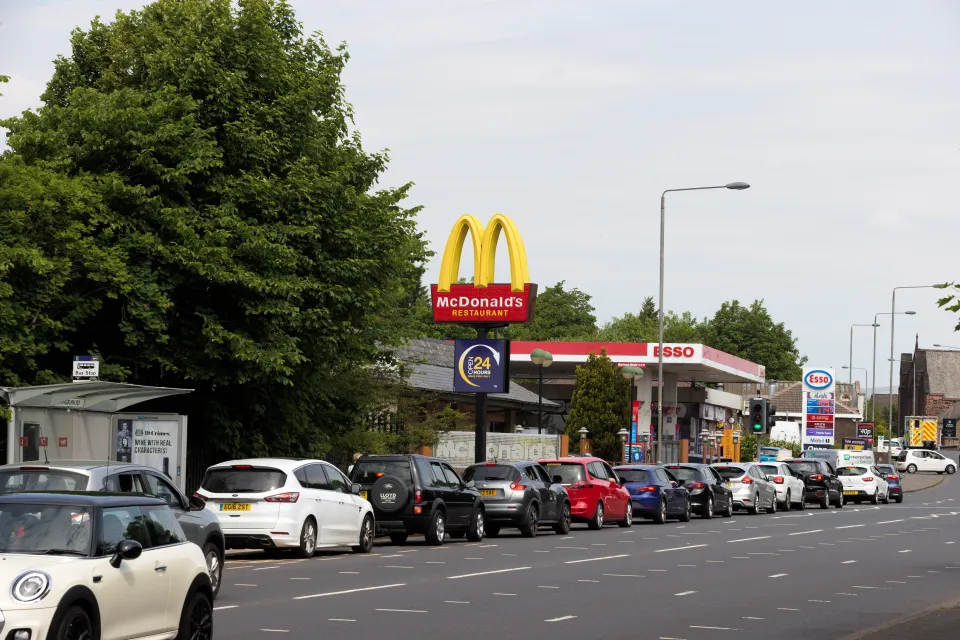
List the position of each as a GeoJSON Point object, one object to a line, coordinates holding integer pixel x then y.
{"type": "Point", "coordinates": [819, 406]}
{"type": "Point", "coordinates": [86, 367]}
{"type": "Point", "coordinates": [481, 366]}
{"type": "Point", "coordinates": [949, 428]}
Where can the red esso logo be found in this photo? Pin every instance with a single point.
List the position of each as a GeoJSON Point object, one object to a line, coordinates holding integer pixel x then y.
{"type": "Point", "coordinates": [818, 379]}
{"type": "Point", "coordinates": [673, 352]}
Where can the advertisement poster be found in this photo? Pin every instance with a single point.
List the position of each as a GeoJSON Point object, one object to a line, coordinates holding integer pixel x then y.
{"type": "Point", "coordinates": [865, 431]}
{"type": "Point", "coordinates": [819, 406]}
{"type": "Point", "coordinates": [124, 440]}
{"type": "Point", "coordinates": [481, 366]}
{"type": "Point", "coordinates": [854, 444]}
{"type": "Point", "coordinates": [949, 427]}
{"type": "Point", "coordinates": [155, 444]}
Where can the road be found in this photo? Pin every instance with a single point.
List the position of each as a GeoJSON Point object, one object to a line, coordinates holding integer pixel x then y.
{"type": "Point", "coordinates": [797, 575]}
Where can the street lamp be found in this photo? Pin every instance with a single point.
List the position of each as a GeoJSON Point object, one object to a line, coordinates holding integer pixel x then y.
{"type": "Point", "coordinates": [704, 434]}
{"type": "Point", "coordinates": [736, 186]}
{"type": "Point", "coordinates": [518, 428]}
{"type": "Point", "coordinates": [631, 373]}
{"type": "Point", "coordinates": [850, 364]}
{"type": "Point", "coordinates": [893, 317]}
{"type": "Point", "coordinates": [623, 441]}
{"type": "Point", "coordinates": [736, 445]}
{"type": "Point", "coordinates": [542, 359]}
{"type": "Point", "coordinates": [583, 440]}
{"type": "Point", "coordinates": [873, 376]}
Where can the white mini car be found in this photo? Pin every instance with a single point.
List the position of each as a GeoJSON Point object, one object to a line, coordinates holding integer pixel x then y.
{"type": "Point", "coordinates": [277, 503]}
{"type": "Point", "coordinates": [913, 460]}
{"type": "Point", "coordinates": [864, 483]}
{"type": "Point", "coordinates": [99, 566]}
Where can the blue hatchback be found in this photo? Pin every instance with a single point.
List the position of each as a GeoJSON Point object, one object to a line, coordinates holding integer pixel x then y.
{"type": "Point", "coordinates": [893, 481]}
{"type": "Point", "coordinates": [655, 493]}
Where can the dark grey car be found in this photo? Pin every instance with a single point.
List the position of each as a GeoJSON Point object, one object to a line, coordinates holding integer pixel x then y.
{"type": "Point", "coordinates": [199, 525]}
{"type": "Point", "coordinates": [519, 494]}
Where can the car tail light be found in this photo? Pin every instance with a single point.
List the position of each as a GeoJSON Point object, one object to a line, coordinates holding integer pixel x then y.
{"type": "Point", "coordinates": [516, 486]}
{"type": "Point", "coordinates": [283, 497]}
{"type": "Point", "coordinates": [893, 477]}
{"type": "Point", "coordinates": [418, 497]}
{"type": "Point", "coordinates": [34, 468]}
{"type": "Point", "coordinates": [868, 479]}
{"type": "Point", "coordinates": [817, 478]}
{"type": "Point", "coordinates": [581, 485]}
{"type": "Point", "coordinates": [778, 479]}
{"type": "Point", "coordinates": [696, 485]}
{"type": "Point", "coordinates": [650, 488]}
{"type": "Point", "coordinates": [200, 496]}
{"type": "Point", "coordinates": [747, 480]}
{"type": "Point", "coordinates": [490, 464]}
{"type": "Point", "coordinates": [242, 466]}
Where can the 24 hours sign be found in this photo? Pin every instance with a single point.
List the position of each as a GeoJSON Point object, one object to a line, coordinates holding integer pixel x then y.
{"type": "Point", "coordinates": [481, 366]}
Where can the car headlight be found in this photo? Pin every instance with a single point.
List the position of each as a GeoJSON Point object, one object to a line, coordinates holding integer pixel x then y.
{"type": "Point", "coordinates": [30, 586]}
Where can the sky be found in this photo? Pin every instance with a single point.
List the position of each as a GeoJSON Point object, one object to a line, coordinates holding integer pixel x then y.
{"type": "Point", "coordinates": [572, 117]}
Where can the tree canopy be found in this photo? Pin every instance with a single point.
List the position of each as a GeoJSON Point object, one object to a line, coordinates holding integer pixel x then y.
{"type": "Point", "coordinates": [951, 300]}
{"type": "Point", "coordinates": [192, 204]}
{"type": "Point", "coordinates": [601, 403]}
{"type": "Point", "coordinates": [559, 314]}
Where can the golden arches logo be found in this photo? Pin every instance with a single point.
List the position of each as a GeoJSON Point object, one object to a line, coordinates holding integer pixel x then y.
{"type": "Point", "coordinates": [484, 252]}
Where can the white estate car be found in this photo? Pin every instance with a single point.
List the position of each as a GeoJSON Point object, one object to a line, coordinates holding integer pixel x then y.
{"type": "Point", "coordinates": [913, 460]}
{"type": "Point", "coordinates": [281, 503]}
{"type": "Point", "coordinates": [861, 482]}
{"type": "Point", "coordinates": [791, 492]}
{"type": "Point", "coordinates": [95, 565]}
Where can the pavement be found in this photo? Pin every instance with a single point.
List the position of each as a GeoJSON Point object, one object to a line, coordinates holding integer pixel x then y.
{"type": "Point", "coordinates": [919, 481]}
{"type": "Point", "coordinates": [793, 575]}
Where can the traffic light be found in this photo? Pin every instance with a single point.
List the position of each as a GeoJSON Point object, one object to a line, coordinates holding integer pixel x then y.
{"type": "Point", "coordinates": [771, 417]}
{"type": "Point", "coordinates": [758, 416]}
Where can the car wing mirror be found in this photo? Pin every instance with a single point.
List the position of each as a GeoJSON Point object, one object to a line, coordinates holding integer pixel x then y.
{"type": "Point", "coordinates": [126, 550]}
{"type": "Point", "coordinates": [196, 504]}
{"type": "Point", "coordinates": [355, 489]}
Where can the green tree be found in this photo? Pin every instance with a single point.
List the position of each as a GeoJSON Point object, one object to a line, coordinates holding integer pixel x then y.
{"type": "Point", "coordinates": [601, 403]}
{"type": "Point", "coordinates": [242, 247]}
{"type": "Point", "coordinates": [559, 314]}
{"type": "Point", "coordinates": [645, 326]}
{"type": "Point", "coordinates": [750, 333]}
{"type": "Point", "coordinates": [951, 300]}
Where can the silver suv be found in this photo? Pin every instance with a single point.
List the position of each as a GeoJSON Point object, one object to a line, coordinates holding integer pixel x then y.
{"type": "Point", "coordinates": [199, 524]}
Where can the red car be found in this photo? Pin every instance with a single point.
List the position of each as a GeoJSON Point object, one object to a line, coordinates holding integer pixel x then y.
{"type": "Point", "coordinates": [596, 493]}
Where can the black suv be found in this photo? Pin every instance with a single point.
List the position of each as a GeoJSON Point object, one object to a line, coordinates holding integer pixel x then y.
{"type": "Point", "coordinates": [417, 494]}
{"type": "Point", "coordinates": [820, 480]}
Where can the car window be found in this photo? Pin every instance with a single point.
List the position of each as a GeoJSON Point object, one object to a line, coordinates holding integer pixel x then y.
{"type": "Point", "coordinates": [729, 473]}
{"type": "Point", "coordinates": [935, 456]}
{"type": "Point", "coordinates": [634, 475]}
{"type": "Point", "coordinates": [17, 481]}
{"type": "Point", "coordinates": [316, 478]}
{"type": "Point", "coordinates": [830, 468]}
{"type": "Point", "coordinates": [850, 471]}
{"type": "Point", "coordinates": [163, 526]}
{"type": "Point", "coordinates": [453, 480]}
{"type": "Point", "coordinates": [437, 472]}
{"type": "Point", "coordinates": [119, 524]}
{"type": "Point", "coordinates": [804, 466]}
{"type": "Point", "coordinates": [598, 472]}
{"type": "Point", "coordinates": [490, 471]}
{"type": "Point", "coordinates": [671, 477]}
{"type": "Point", "coordinates": [242, 479]}
{"type": "Point", "coordinates": [713, 474]}
{"type": "Point", "coordinates": [686, 474]}
{"type": "Point", "coordinates": [662, 475]}
{"type": "Point", "coordinates": [338, 482]}
{"type": "Point", "coordinates": [33, 528]}
{"type": "Point", "coordinates": [160, 488]}
{"type": "Point", "coordinates": [301, 476]}
{"type": "Point", "coordinates": [124, 483]}
{"type": "Point", "coordinates": [770, 470]}
{"type": "Point", "coordinates": [569, 472]}
{"type": "Point", "coordinates": [368, 470]}
{"type": "Point", "coordinates": [542, 474]}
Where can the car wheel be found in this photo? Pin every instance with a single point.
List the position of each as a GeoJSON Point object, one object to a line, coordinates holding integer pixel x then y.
{"type": "Point", "coordinates": [886, 497]}
{"type": "Point", "coordinates": [492, 530]}
{"type": "Point", "coordinates": [875, 499]}
{"type": "Point", "coordinates": [825, 503]}
{"type": "Point", "coordinates": [840, 502]}
{"type": "Point", "coordinates": [911, 468]}
{"type": "Point", "coordinates": [196, 621]}
{"type": "Point", "coordinates": [563, 527]}
{"type": "Point", "coordinates": [476, 530]}
{"type": "Point", "coordinates": [755, 509]}
{"type": "Point", "coordinates": [685, 516]}
{"type": "Point", "coordinates": [76, 625]}
{"type": "Point", "coordinates": [803, 501]}
{"type": "Point", "coordinates": [661, 515]}
{"type": "Point", "coordinates": [308, 539]}
{"type": "Point", "coordinates": [398, 538]}
{"type": "Point", "coordinates": [366, 536]}
{"type": "Point", "coordinates": [786, 503]}
{"type": "Point", "coordinates": [214, 558]}
{"type": "Point", "coordinates": [531, 524]}
{"type": "Point", "coordinates": [596, 523]}
{"type": "Point", "coordinates": [729, 512]}
{"type": "Point", "coordinates": [773, 503]}
{"type": "Point", "coordinates": [438, 528]}
{"type": "Point", "coordinates": [951, 469]}
{"type": "Point", "coordinates": [707, 509]}
{"type": "Point", "coordinates": [899, 499]}
{"type": "Point", "coordinates": [628, 516]}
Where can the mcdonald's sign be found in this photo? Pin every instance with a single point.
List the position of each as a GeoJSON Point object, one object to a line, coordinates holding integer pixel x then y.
{"type": "Point", "coordinates": [484, 301]}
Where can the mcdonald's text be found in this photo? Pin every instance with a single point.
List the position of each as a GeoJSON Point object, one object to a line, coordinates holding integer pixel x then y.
{"type": "Point", "coordinates": [493, 304]}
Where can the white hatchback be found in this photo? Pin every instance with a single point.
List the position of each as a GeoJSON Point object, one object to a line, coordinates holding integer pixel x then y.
{"type": "Point", "coordinates": [913, 460]}
{"type": "Point", "coordinates": [279, 503]}
{"type": "Point", "coordinates": [864, 483]}
{"type": "Point", "coordinates": [790, 488]}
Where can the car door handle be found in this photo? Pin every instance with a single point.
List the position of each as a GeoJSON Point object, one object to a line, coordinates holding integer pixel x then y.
{"type": "Point", "coordinates": [160, 568]}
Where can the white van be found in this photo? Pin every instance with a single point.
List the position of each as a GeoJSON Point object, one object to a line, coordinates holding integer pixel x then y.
{"type": "Point", "coordinates": [842, 457]}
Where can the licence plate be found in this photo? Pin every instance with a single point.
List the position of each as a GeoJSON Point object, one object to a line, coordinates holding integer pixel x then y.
{"type": "Point", "coordinates": [488, 492]}
{"type": "Point", "coordinates": [363, 494]}
{"type": "Point", "coordinates": [850, 493]}
{"type": "Point", "coordinates": [233, 506]}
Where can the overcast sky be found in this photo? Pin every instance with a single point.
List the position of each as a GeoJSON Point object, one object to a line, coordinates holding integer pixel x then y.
{"type": "Point", "coordinates": [572, 117]}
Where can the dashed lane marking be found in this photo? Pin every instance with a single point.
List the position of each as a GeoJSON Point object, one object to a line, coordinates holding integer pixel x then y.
{"type": "Point", "coordinates": [749, 539]}
{"type": "Point", "coordinates": [560, 619]}
{"type": "Point", "coordinates": [346, 591]}
{"type": "Point", "coordinates": [622, 555]}
{"type": "Point", "coordinates": [690, 546]}
{"type": "Point", "coordinates": [487, 573]}
{"type": "Point", "coordinates": [685, 593]}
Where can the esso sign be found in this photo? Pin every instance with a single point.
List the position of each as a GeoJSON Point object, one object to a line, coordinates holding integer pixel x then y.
{"type": "Point", "coordinates": [818, 379]}
{"type": "Point", "coordinates": [674, 351]}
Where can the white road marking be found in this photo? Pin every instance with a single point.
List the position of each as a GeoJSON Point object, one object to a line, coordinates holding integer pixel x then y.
{"type": "Point", "coordinates": [778, 575]}
{"type": "Point", "coordinates": [802, 533]}
{"type": "Point", "coordinates": [244, 585]}
{"type": "Point", "coordinates": [546, 587]}
{"type": "Point", "coordinates": [622, 555]}
{"type": "Point", "coordinates": [618, 575]}
{"type": "Point", "coordinates": [890, 521]}
{"type": "Point", "coordinates": [749, 539]}
{"type": "Point", "coordinates": [310, 578]}
{"type": "Point", "coordinates": [859, 586]}
{"type": "Point", "coordinates": [275, 630]}
{"type": "Point", "coordinates": [402, 610]}
{"type": "Point", "coordinates": [729, 521]}
{"type": "Point", "coordinates": [914, 576]}
{"type": "Point", "coordinates": [845, 594]}
{"type": "Point", "coordinates": [692, 546]}
{"type": "Point", "coordinates": [350, 573]}
{"type": "Point", "coordinates": [905, 551]}
{"type": "Point", "coordinates": [851, 526]}
{"type": "Point", "coordinates": [456, 602]}
{"type": "Point", "coordinates": [848, 562]}
{"type": "Point", "coordinates": [504, 594]}
{"type": "Point", "coordinates": [622, 541]}
{"type": "Point", "coordinates": [948, 543]}
{"type": "Point", "coordinates": [394, 556]}
{"type": "Point", "coordinates": [741, 558]}
{"type": "Point", "coordinates": [510, 555]}
{"type": "Point", "coordinates": [752, 618]}
{"type": "Point", "coordinates": [434, 562]}
{"type": "Point", "coordinates": [584, 548]}
{"type": "Point", "coordinates": [539, 551]}
{"type": "Point", "coordinates": [487, 546]}
{"type": "Point", "coordinates": [339, 593]}
{"type": "Point", "coordinates": [685, 593]}
{"type": "Point", "coordinates": [786, 609]}
{"type": "Point", "coordinates": [694, 626]}
{"type": "Point", "coordinates": [715, 561]}
{"type": "Point", "coordinates": [226, 606]}
{"type": "Point", "coordinates": [473, 558]}
{"type": "Point", "coordinates": [396, 566]}
{"type": "Point", "coordinates": [598, 544]}
{"type": "Point", "coordinates": [341, 619]}
{"type": "Point", "coordinates": [762, 553]}
{"type": "Point", "coordinates": [826, 601]}
{"type": "Point", "coordinates": [897, 581]}
{"type": "Point", "coordinates": [568, 538]}
{"type": "Point", "coordinates": [560, 619]}
{"type": "Point", "coordinates": [267, 569]}
{"type": "Point", "coordinates": [588, 581]}
{"type": "Point", "coordinates": [486, 573]}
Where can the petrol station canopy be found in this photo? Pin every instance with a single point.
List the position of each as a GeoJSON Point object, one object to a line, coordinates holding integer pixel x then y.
{"type": "Point", "coordinates": [688, 362]}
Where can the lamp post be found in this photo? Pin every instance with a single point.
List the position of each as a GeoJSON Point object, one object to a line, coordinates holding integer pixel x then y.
{"type": "Point", "coordinates": [736, 186]}
{"type": "Point", "coordinates": [850, 363]}
{"type": "Point", "coordinates": [893, 317]}
{"type": "Point", "coordinates": [623, 442]}
{"type": "Point", "coordinates": [583, 440]}
{"type": "Point", "coordinates": [631, 373]}
{"type": "Point", "coordinates": [542, 359]}
{"type": "Point", "coordinates": [873, 376]}
{"type": "Point", "coordinates": [736, 446]}
{"type": "Point", "coordinates": [704, 434]}
{"type": "Point", "coordinates": [518, 428]}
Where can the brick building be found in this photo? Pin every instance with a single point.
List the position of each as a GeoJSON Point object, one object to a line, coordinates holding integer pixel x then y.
{"type": "Point", "coordinates": [929, 383]}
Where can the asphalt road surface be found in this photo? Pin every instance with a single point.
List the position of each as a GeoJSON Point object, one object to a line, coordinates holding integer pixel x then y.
{"type": "Point", "coordinates": [796, 575]}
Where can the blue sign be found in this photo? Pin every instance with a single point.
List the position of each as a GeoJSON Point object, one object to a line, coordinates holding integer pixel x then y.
{"type": "Point", "coordinates": [637, 455]}
{"type": "Point", "coordinates": [481, 366]}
